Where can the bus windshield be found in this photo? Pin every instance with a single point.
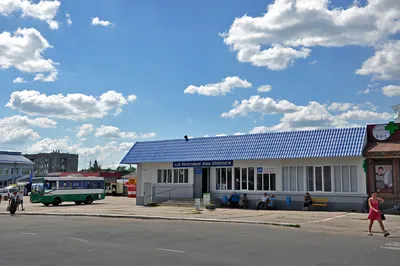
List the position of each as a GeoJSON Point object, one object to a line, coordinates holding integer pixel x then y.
{"type": "Point", "coordinates": [37, 187]}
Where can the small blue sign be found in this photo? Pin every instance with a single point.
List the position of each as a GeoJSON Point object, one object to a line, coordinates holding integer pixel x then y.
{"type": "Point", "coordinates": [259, 170]}
{"type": "Point", "coordinates": [202, 164]}
{"type": "Point", "coordinates": [198, 171]}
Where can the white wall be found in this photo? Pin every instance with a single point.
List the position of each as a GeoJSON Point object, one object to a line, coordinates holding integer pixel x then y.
{"type": "Point", "coordinates": [149, 174]}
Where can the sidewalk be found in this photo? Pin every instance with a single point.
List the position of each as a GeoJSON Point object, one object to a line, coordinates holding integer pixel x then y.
{"type": "Point", "coordinates": [328, 222]}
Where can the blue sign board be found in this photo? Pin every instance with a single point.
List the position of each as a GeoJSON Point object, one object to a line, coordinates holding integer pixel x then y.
{"type": "Point", "coordinates": [198, 171]}
{"type": "Point", "coordinates": [259, 170]}
{"type": "Point", "coordinates": [202, 164]}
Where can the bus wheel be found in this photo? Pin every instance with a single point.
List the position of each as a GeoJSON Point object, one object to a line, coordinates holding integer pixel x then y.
{"type": "Point", "coordinates": [56, 202]}
{"type": "Point", "coordinates": [78, 202]}
{"type": "Point", "coordinates": [46, 204]}
{"type": "Point", "coordinates": [89, 200]}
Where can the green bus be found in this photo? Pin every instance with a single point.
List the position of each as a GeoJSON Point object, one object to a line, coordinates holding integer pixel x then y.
{"type": "Point", "coordinates": [56, 190]}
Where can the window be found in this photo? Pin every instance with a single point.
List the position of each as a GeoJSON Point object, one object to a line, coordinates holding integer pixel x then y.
{"type": "Point", "coordinates": [293, 178]}
{"type": "Point", "coordinates": [310, 178]}
{"type": "Point", "coordinates": [223, 178]}
{"type": "Point", "coordinates": [345, 178]}
{"type": "Point", "coordinates": [26, 171]}
{"type": "Point", "coordinates": [251, 178]}
{"type": "Point", "coordinates": [14, 171]}
{"type": "Point", "coordinates": [164, 176]}
{"type": "Point", "coordinates": [77, 184]}
{"type": "Point", "coordinates": [99, 184]}
{"type": "Point", "coordinates": [64, 185]}
{"type": "Point", "coordinates": [237, 178]}
{"type": "Point", "coordinates": [87, 184]}
{"type": "Point", "coordinates": [266, 182]}
{"type": "Point", "coordinates": [244, 178]}
{"type": "Point", "coordinates": [319, 178]}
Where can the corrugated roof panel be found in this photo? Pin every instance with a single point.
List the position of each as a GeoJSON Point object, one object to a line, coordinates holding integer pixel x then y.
{"type": "Point", "coordinates": [335, 142]}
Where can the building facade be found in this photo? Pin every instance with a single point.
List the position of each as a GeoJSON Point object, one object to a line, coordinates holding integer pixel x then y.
{"type": "Point", "coordinates": [53, 162]}
{"type": "Point", "coordinates": [13, 166]}
{"type": "Point", "coordinates": [383, 160]}
{"type": "Point", "coordinates": [325, 163]}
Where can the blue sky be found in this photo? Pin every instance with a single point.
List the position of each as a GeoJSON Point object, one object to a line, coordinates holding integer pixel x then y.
{"type": "Point", "coordinates": [324, 69]}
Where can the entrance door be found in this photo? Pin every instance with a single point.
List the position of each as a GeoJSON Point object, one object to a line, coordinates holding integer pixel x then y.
{"type": "Point", "coordinates": [206, 180]}
{"type": "Point", "coordinates": [146, 193]}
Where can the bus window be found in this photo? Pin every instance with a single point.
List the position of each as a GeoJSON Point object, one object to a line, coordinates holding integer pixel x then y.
{"type": "Point", "coordinates": [64, 185]}
{"type": "Point", "coordinates": [51, 185]}
{"type": "Point", "coordinates": [87, 184]}
{"type": "Point", "coordinates": [77, 184]}
{"type": "Point", "coordinates": [99, 184]}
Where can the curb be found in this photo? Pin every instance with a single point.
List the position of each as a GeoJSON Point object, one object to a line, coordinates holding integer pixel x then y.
{"type": "Point", "coordinates": [147, 217]}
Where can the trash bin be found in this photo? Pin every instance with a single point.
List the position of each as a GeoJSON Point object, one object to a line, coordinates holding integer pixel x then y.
{"type": "Point", "coordinates": [288, 201]}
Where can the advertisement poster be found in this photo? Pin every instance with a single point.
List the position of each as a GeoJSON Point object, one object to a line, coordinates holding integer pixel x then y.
{"type": "Point", "coordinates": [383, 178]}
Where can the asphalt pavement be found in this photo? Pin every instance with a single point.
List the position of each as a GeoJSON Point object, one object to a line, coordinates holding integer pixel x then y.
{"type": "Point", "coordinates": [41, 241]}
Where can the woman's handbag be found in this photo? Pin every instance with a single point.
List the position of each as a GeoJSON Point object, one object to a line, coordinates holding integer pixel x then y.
{"type": "Point", "coordinates": [8, 208]}
{"type": "Point", "coordinates": [383, 217]}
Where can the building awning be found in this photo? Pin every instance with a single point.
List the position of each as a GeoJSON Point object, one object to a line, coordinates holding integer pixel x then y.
{"type": "Point", "coordinates": [382, 148]}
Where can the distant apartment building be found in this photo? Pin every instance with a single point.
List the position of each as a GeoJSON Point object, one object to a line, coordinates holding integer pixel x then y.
{"type": "Point", "coordinates": [13, 166]}
{"type": "Point", "coordinates": [55, 161]}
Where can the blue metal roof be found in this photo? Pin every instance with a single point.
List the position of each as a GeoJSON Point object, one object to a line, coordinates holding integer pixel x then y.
{"type": "Point", "coordinates": [335, 142]}
{"type": "Point", "coordinates": [6, 158]}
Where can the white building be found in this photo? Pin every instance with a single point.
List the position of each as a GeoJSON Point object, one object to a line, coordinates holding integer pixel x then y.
{"type": "Point", "coordinates": [326, 163]}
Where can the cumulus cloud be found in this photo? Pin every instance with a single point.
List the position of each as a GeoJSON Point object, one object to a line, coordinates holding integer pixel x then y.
{"type": "Point", "coordinates": [24, 121]}
{"type": "Point", "coordinates": [385, 64]}
{"type": "Point", "coordinates": [15, 135]}
{"type": "Point", "coordinates": [290, 28]}
{"type": "Point", "coordinates": [50, 78]}
{"type": "Point", "coordinates": [75, 106]}
{"type": "Point", "coordinates": [19, 80]}
{"type": "Point", "coordinates": [132, 98]}
{"type": "Point", "coordinates": [264, 88]}
{"type": "Point", "coordinates": [97, 22]}
{"type": "Point", "coordinates": [391, 90]}
{"type": "Point", "coordinates": [258, 104]}
{"type": "Point", "coordinates": [84, 130]}
{"type": "Point", "coordinates": [220, 88]}
{"type": "Point", "coordinates": [43, 10]}
{"type": "Point", "coordinates": [365, 115]}
{"type": "Point", "coordinates": [115, 133]}
{"type": "Point", "coordinates": [24, 50]}
{"type": "Point", "coordinates": [335, 106]}
{"type": "Point", "coordinates": [69, 20]}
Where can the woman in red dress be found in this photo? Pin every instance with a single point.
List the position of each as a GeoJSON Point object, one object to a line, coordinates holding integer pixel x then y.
{"type": "Point", "coordinates": [375, 214]}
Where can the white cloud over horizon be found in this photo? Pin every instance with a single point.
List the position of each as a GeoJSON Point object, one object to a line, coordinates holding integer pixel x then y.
{"type": "Point", "coordinates": [97, 22]}
{"type": "Point", "coordinates": [115, 133]}
{"type": "Point", "coordinates": [220, 88]}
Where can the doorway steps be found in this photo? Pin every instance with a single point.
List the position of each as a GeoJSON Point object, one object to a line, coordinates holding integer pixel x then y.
{"type": "Point", "coordinates": [183, 202]}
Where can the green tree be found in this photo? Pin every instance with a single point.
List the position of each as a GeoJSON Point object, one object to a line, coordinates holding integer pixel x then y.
{"type": "Point", "coordinates": [96, 167]}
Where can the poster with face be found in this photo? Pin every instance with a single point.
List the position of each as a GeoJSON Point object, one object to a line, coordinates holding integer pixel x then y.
{"type": "Point", "coordinates": [383, 178]}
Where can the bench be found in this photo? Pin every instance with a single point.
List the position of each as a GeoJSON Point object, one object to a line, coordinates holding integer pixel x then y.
{"type": "Point", "coordinates": [320, 202]}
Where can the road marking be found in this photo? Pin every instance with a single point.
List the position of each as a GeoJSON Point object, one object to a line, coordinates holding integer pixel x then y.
{"type": "Point", "coordinates": [31, 234]}
{"type": "Point", "coordinates": [327, 219]}
{"type": "Point", "coordinates": [78, 239]}
{"type": "Point", "coordinates": [392, 246]}
{"type": "Point", "coordinates": [171, 250]}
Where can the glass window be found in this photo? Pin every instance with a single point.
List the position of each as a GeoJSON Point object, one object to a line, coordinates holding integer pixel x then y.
{"type": "Point", "coordinates": [223, 179]}
{"type": "Point", "coordinates": [310, 178]}
{"type": "Point", "coordinates": [164, 179]}
{"type": "Point", "coordinates": [229, 178]}
{"type": "Point", "coordinates": [285, 178]}
{"type": "Point", "coordinates": [176, 175]}
{"type": "Point", "coordinates": [353, 178]}
{"type": "Point", "coordinates": [99, 184]}
{"type": "Point", "coordinates": [244, 178]}
{"type": "Point", "coordinates": [337, 174]}
{"type": "Point", "coordinates": [327, 179]}
{"type": "Point", "coordinates": [300, 178]}
{"type": "Point", "coordinates": [293, 180]}
{"type": "Point", "coordinates": [159, 176]}
{"type": "Point", "coordinates": [218, 178]}
{"type": "Point", "coordinates": [87, 184]}
{"type": "Point", "coordinates": [251, 178]}
{"type": "Point", "coordinates": [181, 175]}
{"type": "Point", "coordinates": [259, 182]}
{"type": "Point", "coordinates": [169, 179]}
{"type": "Point", "coordinates": [237, 178]}
{"type": "Point", "coordinates": [318, 178]}
{"type": "Point", "coordinates": [346, 178]}
{"type": "Point", "coordinates": [266, 181]}
{"type": "Point", "coordinates": [272, 182]}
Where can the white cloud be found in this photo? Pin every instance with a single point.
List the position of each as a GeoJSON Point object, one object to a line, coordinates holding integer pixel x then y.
{"type": "Point", "coordinates": [313, 62]}
{"type": "Point", "coordinates": [43, 10]}
{"type": "Point", "coordinates": [132, 98]}
{"type": "Point", "coordinates": [24, 121]}
{"type": "Point", "coordinates": [106, 154]}
{"type": "Point", "coordinates": [258, 104]}
{"type": "Point", "coordinates": [290, 28]}
{"type": "Point", "coordinates": [24, 50]}
{"type": "Point", "coordinates": [84, 130]}
{"type": "Point", "coordinates": [19, 80]}
{"type": "Point", "coordinates": [50, 78]}
{"type": "Point", "coordinates": [97, 22]}
{"type": "Point", "coordinates": [220, 135]}
{"type": "Point", "coordinates": [385, 64]}
{"type": "Point", "coordinates": [340, 106]}
{"type": "Point", "coordinates": [75, 106]}
{"type": "Point", "coordinates": [239, 133]}
{"type": "Point", "coordinates": [391, 90]}
{"type": "Point", "coordinates": [365, 115]}
{"type": "Point", "coordinates": [115, 133]}
{"type": "Point", "coordinates": [69, 20]}
{"type": "Point", "coordinates": [264, 88]}
{"type": "Point", "coordinates": [15, 135]}
{"type": "Point", "coordinates": [221, 88]}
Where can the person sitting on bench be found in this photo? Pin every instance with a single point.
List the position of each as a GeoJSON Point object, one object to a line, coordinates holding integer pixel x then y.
{"type": "Point", "coordinates": [244, 202]}
{"type": "Point", "coordinates": [264, 200]}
